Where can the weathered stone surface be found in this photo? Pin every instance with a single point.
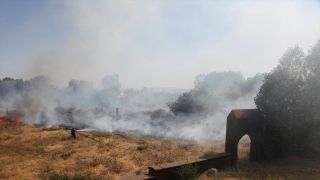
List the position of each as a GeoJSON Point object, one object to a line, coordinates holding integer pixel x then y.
{"type": "Point", "coordinates": [208, 173]}
{"type": "Point", "coordinates": [140, 177]}
{"type": "Point", "coordinates": [168, 171]}
{"type": "Point", "coordinates": [239, 123]}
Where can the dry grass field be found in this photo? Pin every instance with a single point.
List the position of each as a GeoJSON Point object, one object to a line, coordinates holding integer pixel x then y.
{"type": "Point", "coordinates": [28, 152]}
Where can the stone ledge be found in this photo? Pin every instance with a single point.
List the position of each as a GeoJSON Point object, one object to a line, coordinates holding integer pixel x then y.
{"type": "Point", "coordinates": [140, 177]}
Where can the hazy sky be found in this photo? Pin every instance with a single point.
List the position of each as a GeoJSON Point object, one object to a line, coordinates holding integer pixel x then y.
{"type": "Point", "coordinates": [149, 43]}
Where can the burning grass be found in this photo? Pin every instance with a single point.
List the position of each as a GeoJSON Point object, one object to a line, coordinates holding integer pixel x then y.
{"type": "Point", "coordinates": [7, 121]}
{"type": "Point", "coordinates": [29, 152]}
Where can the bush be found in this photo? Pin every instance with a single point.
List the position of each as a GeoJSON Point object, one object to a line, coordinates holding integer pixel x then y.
{"type": "Point", "coordinates": [117, 166]}
{"type": "Point", "coordinates": [194, 101]}
{"type": "Point", "coordinates": [208, 153]}
{"type": "Point", "coordinates": [189, 172]}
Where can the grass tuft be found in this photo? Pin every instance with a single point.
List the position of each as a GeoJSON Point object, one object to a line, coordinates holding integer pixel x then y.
{"type": "Point", "coordinates": [208, 153]}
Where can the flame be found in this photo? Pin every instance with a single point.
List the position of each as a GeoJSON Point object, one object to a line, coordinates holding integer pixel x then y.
{"type": "Point", "coordinates": [16, 121]}
{"type": "Point", "coordinates": [6, 121]}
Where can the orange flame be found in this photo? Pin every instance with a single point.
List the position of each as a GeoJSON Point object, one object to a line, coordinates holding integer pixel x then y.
{"type": "Point", "coordinates": [16, 121]}
{"type": "Point", "coordinates": [6, 121]}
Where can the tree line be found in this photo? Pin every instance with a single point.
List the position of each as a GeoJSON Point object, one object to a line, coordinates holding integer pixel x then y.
{"type": "Point", "coordinates": [37, 93]}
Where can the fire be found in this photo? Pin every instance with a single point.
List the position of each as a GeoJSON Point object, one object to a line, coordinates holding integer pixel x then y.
{"type": "Point", "coordinates": [6, 121]}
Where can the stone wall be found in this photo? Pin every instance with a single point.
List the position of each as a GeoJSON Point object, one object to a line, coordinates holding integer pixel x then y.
{"type": "Point", "coordinates": [168, 171]}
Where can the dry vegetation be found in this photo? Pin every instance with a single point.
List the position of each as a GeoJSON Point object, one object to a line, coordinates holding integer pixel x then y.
{"type": "Point", "coordinates": [28, 152]}
{"type": "Point", "coordinates": [33, 153]}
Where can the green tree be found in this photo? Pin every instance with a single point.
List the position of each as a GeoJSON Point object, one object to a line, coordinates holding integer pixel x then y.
{"type": "Point", "coordinates": [215, 91]}
{"type": "Point", "coordinates": [281, 98]}
{"type": "Point", "coordinates": [190, 102]}
{"type": "Point", "coordinates": [311, 96]}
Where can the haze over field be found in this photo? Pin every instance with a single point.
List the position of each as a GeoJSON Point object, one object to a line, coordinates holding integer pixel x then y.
{"type": "Point", "coordinates": [96, 56]}
{"type": "Point", "coordinates": [149, 43]}
{"type": "Point", "coordinates": [142, 112]}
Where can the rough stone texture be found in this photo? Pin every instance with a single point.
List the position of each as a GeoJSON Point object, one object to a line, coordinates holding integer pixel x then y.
{"type": "Point", "coordinates": [208, 173]}
{"type": "Point", "coordinates": [141, 177]}
{"type": "Point", "coordinates": [239, 123]}
{"type": "Point", "coordinates": [168, 171]}
{"type": "Point", "coordinates": [211, 172]}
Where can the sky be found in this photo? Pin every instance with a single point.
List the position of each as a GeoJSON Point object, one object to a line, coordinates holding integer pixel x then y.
{"type": "Point", "coordinates": [150, 43]}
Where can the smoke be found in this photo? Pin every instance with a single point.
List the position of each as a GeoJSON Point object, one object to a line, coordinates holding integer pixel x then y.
{"type": "Point", "coordinates": [148, 40]}
{"type": "Point", "coordinates": [141, 112]}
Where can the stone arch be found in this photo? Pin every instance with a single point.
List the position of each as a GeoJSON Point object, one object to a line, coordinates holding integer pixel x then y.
{"type": "Point", "coordinates": [239, 123]}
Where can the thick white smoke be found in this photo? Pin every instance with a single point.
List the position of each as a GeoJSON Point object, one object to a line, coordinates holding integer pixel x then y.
{"type": "Point", "coordinates": [141, 112]}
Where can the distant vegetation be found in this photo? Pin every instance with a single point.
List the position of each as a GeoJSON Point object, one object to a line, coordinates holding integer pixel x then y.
{"type": "Point", "coordinates": [214, 91]}
{"type": "Point", "coordinates": [37, 93]}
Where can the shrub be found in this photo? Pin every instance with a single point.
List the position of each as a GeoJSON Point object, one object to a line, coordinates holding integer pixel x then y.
{"type": "Point", "coordinates": [142, 147]}
{"type": "Point", "coordinates": [189, 172]}
{"type": "Point", "coordinates": [117, 166]}
{"type": "Point", "coordinates": [167, 144]}
{"type": "Point", "coordinates": [208, 153]}
{"type": "Point", "coordinates": [189, 102]}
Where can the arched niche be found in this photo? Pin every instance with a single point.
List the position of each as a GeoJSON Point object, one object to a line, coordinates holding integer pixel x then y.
{"type": "Point", "coordinates": [243, 152]}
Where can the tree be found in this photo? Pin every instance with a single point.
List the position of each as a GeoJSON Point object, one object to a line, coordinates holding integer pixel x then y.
{"type": "Point", "coordinates": [73, 84]}
{"type": "Point", "coordinates": [111, 83]}
{"type": "Point", "coordinates": [311, 100]}
{"type": "Point", "coordinates": [230, 84]}
{"type": "Point", "coordinates": [194, 101]}
{"type": "Point", "coordinates": [219, 81]}
{"type": "Point", "coordinates": [108, 96]}
{"type": "Point", "coordinates": [11, 91]}
{"type": "Point", "coordinates": [216, 90]}
{"type": "Point", "coordinates": [281, 98]}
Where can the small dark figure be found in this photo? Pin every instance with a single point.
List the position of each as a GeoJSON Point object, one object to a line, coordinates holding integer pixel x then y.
{"type": "Point", "coordinates": [73, 133]}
